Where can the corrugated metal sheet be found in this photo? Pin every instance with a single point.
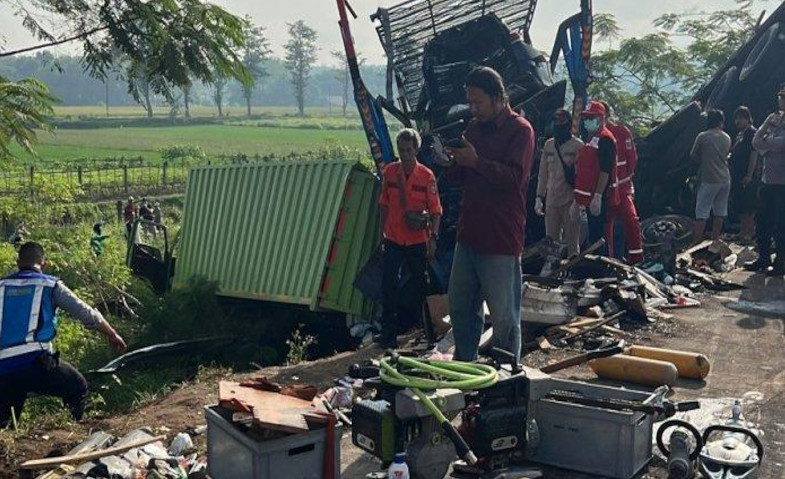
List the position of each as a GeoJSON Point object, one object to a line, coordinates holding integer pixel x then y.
{"type": "Point", "coordinates": [356, 237]}
{"type": "Point", "coordinates": [266, 231]}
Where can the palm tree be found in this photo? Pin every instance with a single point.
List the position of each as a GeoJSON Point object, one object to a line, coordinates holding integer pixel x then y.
{"type": "Point", "coordinates": [24, 106]}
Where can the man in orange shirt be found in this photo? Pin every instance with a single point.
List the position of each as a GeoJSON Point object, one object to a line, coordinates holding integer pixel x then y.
{"type": "Point", "coordinates": [410, 214]}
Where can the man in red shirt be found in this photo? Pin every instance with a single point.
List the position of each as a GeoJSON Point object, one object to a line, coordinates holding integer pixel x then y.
{"type": "Point", "coordinates": [410, 214]}
{"type": "Point", "coordinates": [626, 161]}
{"type": "Point", "coordinates": [130, 214]}
{"type": "Point", "coordinates": [493, 166]}
{"type": "Point", "coordinates": [595, 172]}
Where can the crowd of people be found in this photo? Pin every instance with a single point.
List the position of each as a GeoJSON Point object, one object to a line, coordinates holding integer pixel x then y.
{"type": "Point", "coordinates": [584, 187]}
{"type": "Point", "coordinates": [749, 174]}
{"type": "Point", "coordinates": [145, 210]}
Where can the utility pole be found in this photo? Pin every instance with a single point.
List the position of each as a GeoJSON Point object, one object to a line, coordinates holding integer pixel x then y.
{"type": "Point", "coordinates": [106, 83]}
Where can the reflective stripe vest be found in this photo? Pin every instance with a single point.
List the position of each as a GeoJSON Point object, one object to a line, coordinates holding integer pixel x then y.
{"type": "Point", "coordinates": [27, 313]}
{"type": "Point", "coordinates": [587, 172]}
{"type": "Point", "coordinates": [626, 156]}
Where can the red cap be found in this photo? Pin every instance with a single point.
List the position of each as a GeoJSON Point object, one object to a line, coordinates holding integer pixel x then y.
{"type": "Point", "coordinates": [594, 108]}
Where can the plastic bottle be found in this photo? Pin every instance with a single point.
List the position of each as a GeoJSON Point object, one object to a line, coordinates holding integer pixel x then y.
{"type": "Point", "coordinates": [398, 469]}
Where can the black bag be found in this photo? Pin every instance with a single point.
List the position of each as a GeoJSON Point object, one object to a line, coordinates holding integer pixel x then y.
{"type": "Point", "coordinates": [569, 171]}
{"type": "Point", "coordinates": [417, 220]}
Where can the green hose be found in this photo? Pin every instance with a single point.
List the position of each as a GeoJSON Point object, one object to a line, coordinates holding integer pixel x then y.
{"type": "Point", "coordinates": [448, 375]}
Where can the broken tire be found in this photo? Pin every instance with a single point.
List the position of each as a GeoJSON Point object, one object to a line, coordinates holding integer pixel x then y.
{"type": "Point", "coordinates": [658, 229]}
{"type": "Point", "coordinates": [766, 54]}
{"type": "Point", "coordinates": [726, 88]}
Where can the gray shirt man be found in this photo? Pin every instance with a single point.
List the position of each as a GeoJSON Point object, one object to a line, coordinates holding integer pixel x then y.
{"type": "Point", "coordinates": [769, 142]}
{"type": "Point", "coordinates": [711, 150]}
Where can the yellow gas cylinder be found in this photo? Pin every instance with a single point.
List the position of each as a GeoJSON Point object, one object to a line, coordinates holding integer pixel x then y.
{"type": "Point", "coordinates": [690, 365]}
{"type": "Point", "coordinates": [648, 372]}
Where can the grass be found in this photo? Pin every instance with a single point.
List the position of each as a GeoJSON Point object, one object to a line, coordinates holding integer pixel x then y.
{"type": "Point", "coordinates": [197, 111]}
{"type": "Point", "coordinates": [215, 140]}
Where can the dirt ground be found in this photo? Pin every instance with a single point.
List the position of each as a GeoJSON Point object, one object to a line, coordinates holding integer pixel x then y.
{"type": "Point", "coordinates": [746, 351]}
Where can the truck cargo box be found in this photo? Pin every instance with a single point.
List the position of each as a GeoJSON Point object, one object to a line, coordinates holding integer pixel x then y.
{"type": "Point", "coordinates": [294, 231]}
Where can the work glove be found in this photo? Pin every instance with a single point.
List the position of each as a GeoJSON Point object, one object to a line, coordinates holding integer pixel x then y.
{"type": "Point", "coordinates": [596, 205]}
{"type": "Point", "coordinates": [539, 207]}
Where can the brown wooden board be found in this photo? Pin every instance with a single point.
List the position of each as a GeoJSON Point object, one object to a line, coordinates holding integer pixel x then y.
{"type": "Point", "coordinates": [270, 410]}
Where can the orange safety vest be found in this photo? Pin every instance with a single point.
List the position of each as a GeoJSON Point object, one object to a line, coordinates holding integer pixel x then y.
{"type": "Point", "coordinates": [587, 172]}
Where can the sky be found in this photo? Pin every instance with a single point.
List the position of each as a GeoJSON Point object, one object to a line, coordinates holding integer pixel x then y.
{"type": "Point", "coordinates": [634, 17]}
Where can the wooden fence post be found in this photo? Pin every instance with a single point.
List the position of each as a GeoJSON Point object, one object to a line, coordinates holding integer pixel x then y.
{"type": "Point", "coordinates": [32, 182]}
{"type": "Point", "coordinates": [79, 174]}
{"type": "Point", "coordinates": [163, 173]}
{"type": "Point", "coordinates": [125, 178]}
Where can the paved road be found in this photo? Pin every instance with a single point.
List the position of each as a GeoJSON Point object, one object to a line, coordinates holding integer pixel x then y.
{"type": "Point", "coordinates": [747, 354]}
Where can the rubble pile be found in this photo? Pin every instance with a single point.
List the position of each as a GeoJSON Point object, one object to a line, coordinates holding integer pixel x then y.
{"type": "Point", "coordinates": [138, 455]}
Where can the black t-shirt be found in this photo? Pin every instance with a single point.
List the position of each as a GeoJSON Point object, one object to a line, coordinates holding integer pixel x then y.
{"type": "Point", "coordinates": [740, 154]}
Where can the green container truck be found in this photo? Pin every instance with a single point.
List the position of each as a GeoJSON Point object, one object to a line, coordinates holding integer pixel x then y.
{"type": "Point", "coordinates": [294, 231]}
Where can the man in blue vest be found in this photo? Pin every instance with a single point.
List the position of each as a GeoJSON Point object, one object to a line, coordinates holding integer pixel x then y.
{"type": "Point", "coordinates": [29, 300]}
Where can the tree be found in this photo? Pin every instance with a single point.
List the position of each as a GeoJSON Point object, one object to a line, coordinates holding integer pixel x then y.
{"type": "Point", "coordinates": [606, 28]}
{"type": "Point", "coordinates": [343, 75]}
{"type": "Point", "coordinates": [648, 78]}
{"type": "Point", "coordinates": [219, 91]}
{"type": "Point", "coordinates": [300, 58]}
{"type": "Point", "coordinates": [255, 54]}
{"type": "Point", "coordinates": [24, 105]}
{"type": "Point", "coordinates": [175, 40]}
{"type": "Point", "coordinates": [714, 36]}
{"type": "Point", "coordinates": [186, 89]}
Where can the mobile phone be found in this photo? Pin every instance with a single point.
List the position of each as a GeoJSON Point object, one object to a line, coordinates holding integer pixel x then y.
{"type": "Point", "coordinates": [438, 151]}
{"type": "Point", "coordinates": [455, 143]}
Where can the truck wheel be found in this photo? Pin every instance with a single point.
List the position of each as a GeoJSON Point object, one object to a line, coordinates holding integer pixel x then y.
{"type": "Point", "coordinates": [766, 54]}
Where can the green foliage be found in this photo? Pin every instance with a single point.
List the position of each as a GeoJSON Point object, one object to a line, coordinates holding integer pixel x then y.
{"type": "Point", "coordinates": [648, 78]}
{"type": "Point", "coordinates": [606, 27]}
{"type": "Point", "coordinates": [24, 106]}
{"type": "Point", "coordinates": [183, 153]}
{"type": "Point", "coordinates": [642, 79]}
{"type": "Point", "coordinates": [299, 344]}
{"type": "Point", "coordinates": [189, 311]}
{"type": "Point", "coordinates": [713, 37]}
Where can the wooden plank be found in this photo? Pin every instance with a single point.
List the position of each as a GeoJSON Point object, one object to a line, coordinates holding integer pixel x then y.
{"type": "Point", "coordinates": [63, 471]}
{"type": "Point", "coordinates": [583, 322]}
{"type": "Point", "coordinates": [611, 329]}
{"type": "Point", "coordinates": [567, 329]}
{"type": "Point", "coordinates": [270, 410]}
{"type": "Point", "coordinates": [605, 321]}
{"type": "Point", "coordinates": [544, 344]}
{"type": "Point", "coordinates": [85, 457]}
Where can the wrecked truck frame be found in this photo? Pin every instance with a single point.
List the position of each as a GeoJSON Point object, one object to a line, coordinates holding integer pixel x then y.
{"type": "Point", "coordinates": [430, 46]}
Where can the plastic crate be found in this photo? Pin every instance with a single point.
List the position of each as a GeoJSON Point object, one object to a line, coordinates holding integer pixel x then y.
{"type": "Point", "coordinates": [231, 454]}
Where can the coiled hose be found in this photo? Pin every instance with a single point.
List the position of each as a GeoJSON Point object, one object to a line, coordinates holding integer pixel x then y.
{"type": "Point", "coordinates": [418, 375]}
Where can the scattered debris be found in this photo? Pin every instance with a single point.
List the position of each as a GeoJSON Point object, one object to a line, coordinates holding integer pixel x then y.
{"type": "Point", "coordinates": [138, 454]}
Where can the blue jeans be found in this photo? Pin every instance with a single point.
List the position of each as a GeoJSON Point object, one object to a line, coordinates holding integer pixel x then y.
{"type": "Point", "coordinates": [495, 279]}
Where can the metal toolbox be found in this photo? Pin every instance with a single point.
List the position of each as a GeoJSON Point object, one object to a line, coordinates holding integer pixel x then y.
{"type": "Point", "coordinates": [588, 439]}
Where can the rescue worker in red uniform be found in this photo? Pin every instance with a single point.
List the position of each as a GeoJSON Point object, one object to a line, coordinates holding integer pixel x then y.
{"type": "Point", "coordinates": [595, 172]}
{"type": "Point", "coordinates": [626, 161]}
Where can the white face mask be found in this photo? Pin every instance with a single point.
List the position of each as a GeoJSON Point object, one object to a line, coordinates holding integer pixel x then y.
{"type": "Point", "coordinates": [591, 124]}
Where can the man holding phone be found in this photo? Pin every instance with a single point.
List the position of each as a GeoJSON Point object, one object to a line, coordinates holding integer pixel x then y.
{"type": "Point", "coordinates": [493, 165]}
